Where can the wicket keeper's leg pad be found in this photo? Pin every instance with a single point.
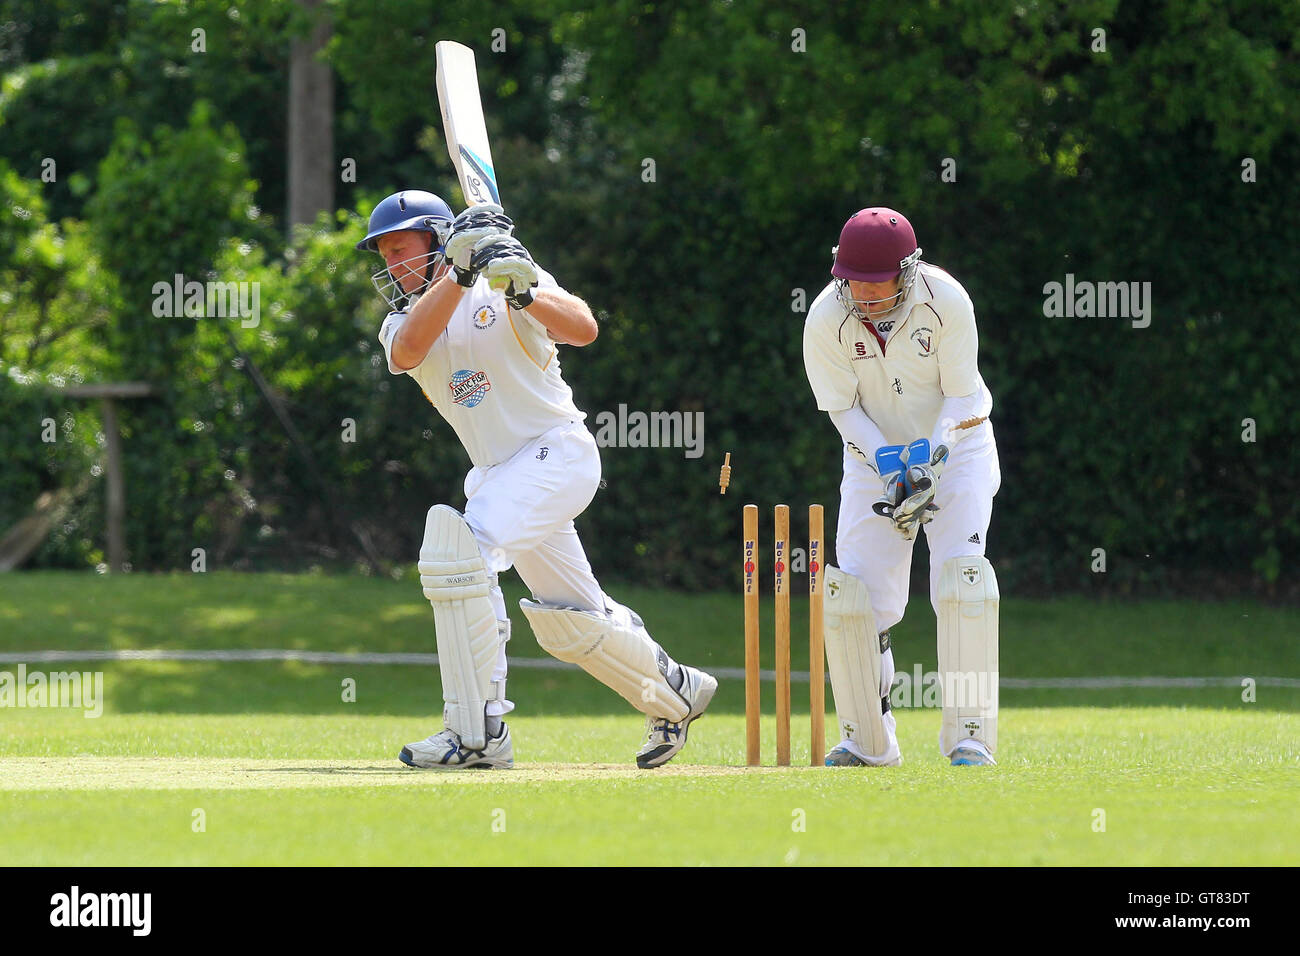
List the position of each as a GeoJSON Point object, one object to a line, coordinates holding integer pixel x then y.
{"type": "Point", "coordinates": [853, 657]}
{"type": "Point", "coordinates": [968, 652]}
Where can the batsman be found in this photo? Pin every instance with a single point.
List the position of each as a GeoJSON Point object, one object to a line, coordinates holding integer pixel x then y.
{"type": "Point", "coordinates": [891, 353]}
{"type": "Point", "coordinates": [476, 322]}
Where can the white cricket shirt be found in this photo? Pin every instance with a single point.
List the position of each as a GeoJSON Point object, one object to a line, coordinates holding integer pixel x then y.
{"type": "Point", "coordinates": [929, 354]}
{"type": "Point", "coordinates": [493, 374]}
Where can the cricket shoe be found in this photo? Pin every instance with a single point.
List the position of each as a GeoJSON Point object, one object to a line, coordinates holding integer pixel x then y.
{"type": "Point", "coordinates": [969, 755]}
{"type": "Point", "coordinates": [444, 751]}
{"type": "Point", "coordinates": [664, 737]}
{"type": "Point", "coordinates": [844, 757]}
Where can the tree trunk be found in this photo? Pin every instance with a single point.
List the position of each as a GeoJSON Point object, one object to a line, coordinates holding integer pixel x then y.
{"type": "Point", "coordinates": [311, 120]}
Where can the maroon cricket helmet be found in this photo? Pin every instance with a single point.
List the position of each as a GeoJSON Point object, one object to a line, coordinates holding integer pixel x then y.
{"type": "Point", "coordinates": [875, 245]}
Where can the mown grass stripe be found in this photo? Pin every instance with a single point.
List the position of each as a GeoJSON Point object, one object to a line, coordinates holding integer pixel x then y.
{"type": "Point", "coordinates": [544, 663]}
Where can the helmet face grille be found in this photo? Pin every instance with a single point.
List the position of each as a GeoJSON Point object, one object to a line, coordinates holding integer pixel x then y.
{"type": "Point", "coordinates": [908, 267]}
{"type": "Point", "coordinates": [431, 266]}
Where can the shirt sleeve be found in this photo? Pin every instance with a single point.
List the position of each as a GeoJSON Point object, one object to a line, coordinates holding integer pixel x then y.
{"type": "Point", "coordinates": [958, 350]}
{"type": "Point", "coordinates": [830, 373]}
{"type": "Point", "coordinates": [387, 331]}
{"type": "Point", "coordinates": [956, 409]}
{"type": "Point", "coordinates": [860, 433]}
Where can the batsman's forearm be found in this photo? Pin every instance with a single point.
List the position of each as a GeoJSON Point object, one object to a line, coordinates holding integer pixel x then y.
{"type": "Point", "coordinates": [425, 321]}
{"type": "Point", "coordinates": [566, 317]}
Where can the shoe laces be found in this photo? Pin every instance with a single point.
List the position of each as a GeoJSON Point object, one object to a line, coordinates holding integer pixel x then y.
{"type": "Point", "coordinates": [662, 725]}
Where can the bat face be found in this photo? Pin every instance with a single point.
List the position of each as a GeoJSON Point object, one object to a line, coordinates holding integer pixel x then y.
{"type": "Point", "coordinates": [462, 121]}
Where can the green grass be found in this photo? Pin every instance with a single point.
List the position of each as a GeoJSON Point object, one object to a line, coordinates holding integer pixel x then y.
{"type": "Point", "coordinates": [279, 789]}
{"type": "Point", "coordinates": [287, 772]}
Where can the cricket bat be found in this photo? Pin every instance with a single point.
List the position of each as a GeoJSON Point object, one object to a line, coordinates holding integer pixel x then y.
{"type": "Point", "coordinates": [462, 122]}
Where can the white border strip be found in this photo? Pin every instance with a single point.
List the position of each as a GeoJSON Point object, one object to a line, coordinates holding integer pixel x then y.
{"type": "Point", "coordinates": [546, 663]}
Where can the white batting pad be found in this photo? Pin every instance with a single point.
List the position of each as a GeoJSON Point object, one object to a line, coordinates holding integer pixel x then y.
{"type": "Point", "coordinates": [498, 706]}
{"type": "Point", "coordinates": [853, 659]}
{"type": "Point", "coordinates": [456, 583]}
{"type": "Point", "coordinates": [968, 652]}
{"type": "Point", "coordinates": [614, 648]}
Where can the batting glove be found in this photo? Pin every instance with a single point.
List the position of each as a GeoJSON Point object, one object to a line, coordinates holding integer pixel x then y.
{"type": "Point", "coordinates": [470, 228]}
{"type": "Point", "coordinates": [504, 262]}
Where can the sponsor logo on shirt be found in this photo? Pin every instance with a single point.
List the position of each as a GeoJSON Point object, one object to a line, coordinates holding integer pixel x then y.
{"type": "Point", "coordinates": [485, 317]}
{"type": "Point", "coordinates": [860, 350]}
{"type": "Point", "coordinates": [923, 337]}
{"type": "Point", "coordinates": [468, 388]}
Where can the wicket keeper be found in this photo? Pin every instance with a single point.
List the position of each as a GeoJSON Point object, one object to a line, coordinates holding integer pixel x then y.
{"type": "Point", "coordinates": [891, 353]}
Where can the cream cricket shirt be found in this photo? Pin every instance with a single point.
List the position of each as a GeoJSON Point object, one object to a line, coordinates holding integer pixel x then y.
{"type": "Point", "coordinates": [929, 354]}
{"type": "Point", "coordinates": [493, 374]}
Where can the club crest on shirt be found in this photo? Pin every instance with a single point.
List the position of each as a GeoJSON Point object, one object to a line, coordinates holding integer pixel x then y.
{"type": "Point", "coordinates": [923, 337]}
{"type": "Point", "coordinates": [468, 388]}
{"type": "Point", "coordinates": [485, 317]}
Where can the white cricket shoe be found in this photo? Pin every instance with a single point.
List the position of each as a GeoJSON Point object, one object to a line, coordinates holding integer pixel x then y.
{"type": "Point", "coordinates": [844, 756]}
{"type": "Point", "coordinates": [972, 754]}
{"type": "Point", "coordinates": [444, 751]}
{"type": "Point", "coordinates": [664, 738]}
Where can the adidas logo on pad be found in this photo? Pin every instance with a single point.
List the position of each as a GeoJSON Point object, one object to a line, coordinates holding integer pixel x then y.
{"type": "Point", "coordinates": [975, 538]}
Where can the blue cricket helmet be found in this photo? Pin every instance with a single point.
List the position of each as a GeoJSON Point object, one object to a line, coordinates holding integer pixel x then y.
{"type": "Point", "coordinates": [410, 209]}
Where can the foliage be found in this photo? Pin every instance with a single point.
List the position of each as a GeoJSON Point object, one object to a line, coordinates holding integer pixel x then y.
{"type": "Point", "coordinates": [55, 298]}
{"type": "Point", "coordinates": [163, 205]}
{"type": "Point", "coordinates": [1117, 165]}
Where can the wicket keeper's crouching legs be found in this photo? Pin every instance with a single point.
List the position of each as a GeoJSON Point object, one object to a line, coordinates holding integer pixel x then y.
{"type": "Point", "coordinates": [963, 593]}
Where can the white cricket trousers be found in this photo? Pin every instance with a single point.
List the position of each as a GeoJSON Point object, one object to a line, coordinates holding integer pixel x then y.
{"type": "Point", "coordinates": [521, 512]}
{"type": "Point", "coordinates": [868, 547]}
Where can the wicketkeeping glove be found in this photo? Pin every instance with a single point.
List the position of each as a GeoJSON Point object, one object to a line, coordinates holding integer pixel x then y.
{"type": "Point", "coordinates": [506, 264]}
{"type": "Point", "coordinates": [891, 497]}
{"type": "Point", "coordinates": [471, 227]}
{"type": "Point", "coordinates": [921, 481]}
